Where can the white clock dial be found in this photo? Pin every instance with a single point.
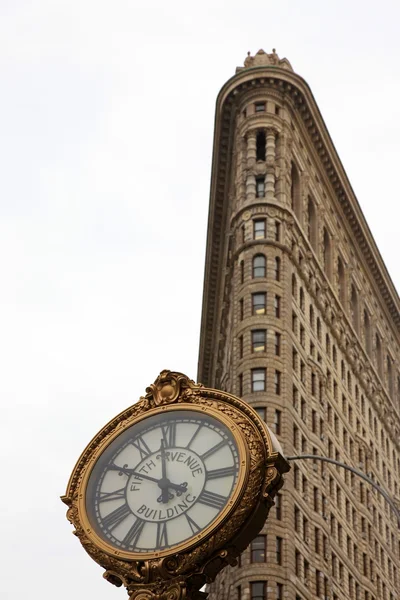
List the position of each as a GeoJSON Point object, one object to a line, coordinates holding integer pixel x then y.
{"type": "Point", "coordinates": [162, 481]}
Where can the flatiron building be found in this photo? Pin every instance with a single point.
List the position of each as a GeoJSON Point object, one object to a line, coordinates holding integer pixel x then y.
{"type": "Point", "coordinates": [301, 319]}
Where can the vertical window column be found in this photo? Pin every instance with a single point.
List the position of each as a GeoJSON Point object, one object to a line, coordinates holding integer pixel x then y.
{"type": "Point", "coordinates": [251, 160]}
{"type": "Point", "coordinates": [270, 159]}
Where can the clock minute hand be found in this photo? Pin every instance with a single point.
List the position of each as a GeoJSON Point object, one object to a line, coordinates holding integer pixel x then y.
{"type": "Point", "coordinates": [175, 486]}
{"type": "Point", "coordinates": [132, 472]}
{"type": "Point", "coordinates": [165, 495]}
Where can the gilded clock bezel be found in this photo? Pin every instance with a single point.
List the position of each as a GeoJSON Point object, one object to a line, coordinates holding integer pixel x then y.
{"type": "Point", "coordinates": [244, 469]}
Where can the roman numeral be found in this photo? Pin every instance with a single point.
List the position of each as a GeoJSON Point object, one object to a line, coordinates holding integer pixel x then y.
{"type": "Point", "coordinates": [108, 496]}
{"type": "Point", "coordinates": [212, 499]}
{"type": "Point", "coordinates": [225, 472]}
{"type": "Point", "coordinates": [214, 449]}
{"type": "Point", "coordinates": [116, 517]}
{"type": "Point", "coordinates": [162, 535]}
{"type": "Point", "coordinates": [169, 435]}
{"type": "Point", "coordinates": [141, 445]}
{"type": "Point", "coordinates": [192, 524]}
{"type": "Point", "coordinates": [133, 534]}
{"type": "Point", "coordinates": [194, 436]}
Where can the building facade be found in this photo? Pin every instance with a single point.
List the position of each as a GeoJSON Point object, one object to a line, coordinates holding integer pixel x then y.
{"type": "Point", "coordinates": [300, 318]}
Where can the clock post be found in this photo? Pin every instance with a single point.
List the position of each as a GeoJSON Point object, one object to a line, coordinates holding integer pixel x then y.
{"type": "Point", "coordinates": [174, 488]}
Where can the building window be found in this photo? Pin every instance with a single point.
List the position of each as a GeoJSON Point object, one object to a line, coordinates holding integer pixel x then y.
{"type": "Point", "coordinates": [240, 385]}
{"type": "Point", "coordinates": [302, 336]}
{"type": "Point", "coordinates": [241, 346]}
{"type": "Point", "coordinates": [260, 187]}
{"type": "Point", "coordinates": [258, 380]}
{"type": "Point", "coordinates": [297, 563]}
{"type": "Point", "coordinates": [259, 107]}
{"type": "Point", "coordinates": [367, 333]}
{"type": "Point", "coordinates": [378, 349]}
{"type": "Point", "coordinates": [259, 266]}
{"type": "Point", "coordinates": [278, 507]}
{"type": "Point", "coordinates": [294, 286]}
{"type": "Point", "coordinates": [239, 592]}
{"type": "Point", "coordinates": [242, 271]}
{"type": "Point", "coordinates": [327, 254]}
{"type": "Point", "coordinates": [258, 340]}
{"type": "Point", "coordinates": [295, 191]}
{"type": "Point", "coordinates": [277, 268]}
{"type": "Point", "coordinates": [277, 422]}
{"type": "Point", "coordinates": [302, 372]}
{"type": "Point", "coordinates": [261, 411]}
{"type": "Point", "coordinates": [354, 308]}
{"type": "Point", "coordinates": [277, 231]}
{"type": "Point", "coordinates": [277, 344]}
{"type": "Point", "coordinates": [328, 344]}
{"type": "Point", "coordinates": [259, 301]}
{"type": "Point", "coordinates": [260, 145]}
{"type": "Point", "coordinates": [258, 590]}
{"type": "Point", "coordinates": [258, 549]}
{"type": "Point", "coordinates": [277, 306]}
{"type": "Point", "coordinates": [319, 329]}
{"type": "Point", "coordinates": [277, 382]}
{"type": "Point", "coordinates": [312, 223]}
{"type": "Point", "coordinates": [259, 229]}
{"type": "Point", "coordinates": [241, 309]}
{"type": "Point", "coordinates": [279, 591]}
{"type": "Point", "coordinates": [302, 301]}
{"type": "Point", "coordinates": [311, 311]}
{"type": "Point", "coordinates": [278, 550]}
{"type": "Point", "coordinates": [341, 281]}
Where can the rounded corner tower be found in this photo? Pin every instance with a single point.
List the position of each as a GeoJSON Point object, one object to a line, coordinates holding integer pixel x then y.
{"type": "Point", "coordinates": [301, 319]}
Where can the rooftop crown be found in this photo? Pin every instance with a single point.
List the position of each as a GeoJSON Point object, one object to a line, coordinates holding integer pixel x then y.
{"type": "Point", "coordinates": [262, 59]}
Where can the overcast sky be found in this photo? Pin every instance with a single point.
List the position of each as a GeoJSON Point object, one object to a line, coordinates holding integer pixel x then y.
{"type": "Point", "coordinates": [107, 111]}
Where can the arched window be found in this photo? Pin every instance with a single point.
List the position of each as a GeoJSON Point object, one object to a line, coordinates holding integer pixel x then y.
{"type": "Point", "coordinates": [277, 268]}
{"type": "Point", "coordinates": [389, 374]}
{"type": "Point", "coordinates": [295, 191]}
{"type": "Point", "coordinates": [341, 281]}
{"type": "Point", "coordinates": [294, 286]}
{"type": "Point", "coordinates": [260, 145]}
{"type": "Point", "coordinates": [259, 266]}
{"type": "Point", "coordinates": [327, 254]}
{"type": "Point", "coordinates": [378, 351]}
{"type": "Point", "coordinates": [367, 333]}
{"type": "Point", "coordinates": [354, 307]}
{"type": "Point", "coordinates": [312, 223]}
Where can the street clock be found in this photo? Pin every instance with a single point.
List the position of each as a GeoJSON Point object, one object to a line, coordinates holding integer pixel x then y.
{"type": "Point", "coordinates": [173, 489]}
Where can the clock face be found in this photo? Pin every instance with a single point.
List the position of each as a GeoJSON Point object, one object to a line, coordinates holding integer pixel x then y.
{"type": "Point", "coordinates": [163, 481]}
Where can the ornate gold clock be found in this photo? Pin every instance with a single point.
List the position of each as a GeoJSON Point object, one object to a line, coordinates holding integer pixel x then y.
{"type": "Point", "coordinates": [174, 488]}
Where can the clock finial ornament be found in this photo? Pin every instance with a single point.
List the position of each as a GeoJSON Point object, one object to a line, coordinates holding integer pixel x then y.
{"type": "Point", "coordinates": [174, 488]}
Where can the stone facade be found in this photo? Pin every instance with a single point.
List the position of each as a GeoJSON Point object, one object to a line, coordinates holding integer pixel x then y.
{"type": "Point", "coordinates": [301, 319]}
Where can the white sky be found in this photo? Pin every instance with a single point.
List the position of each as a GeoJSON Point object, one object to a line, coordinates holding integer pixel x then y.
{"type": "Point", "coordinates": [106, 125]}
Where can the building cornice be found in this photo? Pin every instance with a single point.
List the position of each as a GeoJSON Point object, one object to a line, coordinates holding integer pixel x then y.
{"type": "Point", "coordinates": [297, 92]}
